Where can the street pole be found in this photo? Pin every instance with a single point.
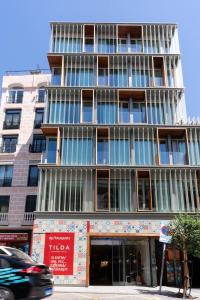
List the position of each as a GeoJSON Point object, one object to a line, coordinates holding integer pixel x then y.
{"type": "Point", "coordinates": [162, 267]}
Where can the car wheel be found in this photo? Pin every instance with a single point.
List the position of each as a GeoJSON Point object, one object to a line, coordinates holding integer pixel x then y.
{"type": "Point", "coordinates": [6, 294]}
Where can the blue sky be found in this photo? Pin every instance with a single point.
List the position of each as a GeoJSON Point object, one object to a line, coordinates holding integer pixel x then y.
{"type": "Point", "coordinates": [24, 30]}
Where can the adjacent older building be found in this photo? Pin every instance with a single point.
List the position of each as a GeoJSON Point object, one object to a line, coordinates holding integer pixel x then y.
{"type": "Point", "coordinates": [121, 156]}
{"type": "Point", "coordinates": [22, 141]}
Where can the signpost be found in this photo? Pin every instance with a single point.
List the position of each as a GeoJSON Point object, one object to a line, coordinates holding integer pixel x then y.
{"type": "Point", "coordinates": [59, 252]}
{"type": "Point", "coordinates": [165, 238]}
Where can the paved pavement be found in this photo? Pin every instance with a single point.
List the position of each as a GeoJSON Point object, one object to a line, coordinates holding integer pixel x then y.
{"type": "Point", "coordinates": [117, 293]}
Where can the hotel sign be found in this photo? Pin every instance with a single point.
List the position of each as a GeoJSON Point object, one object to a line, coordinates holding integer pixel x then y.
{"type": "Point", "coordinates": [59, 252]}
{"type": "Point", "coordinates": [165, 232]}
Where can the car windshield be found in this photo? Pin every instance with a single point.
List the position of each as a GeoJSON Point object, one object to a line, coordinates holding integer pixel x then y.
{"type": "Point", "coordinates": [20, 255]}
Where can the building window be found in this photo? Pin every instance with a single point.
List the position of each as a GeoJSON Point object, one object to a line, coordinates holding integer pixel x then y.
{"type": "Point", "coordinates": [102, 151]}
{"type": "Point", "coordinates": [41, 94]}
{"type": "Point", "coordinates": [39, 115]}
{"type": "Point", "coordinates": [4, 204]}
{"type": "Point", "coordinates": [123, 45]}
{"type": "Point", "coordinates": [30, 205]}
{"type": "Point", "coordinates": [12, 119]}
{"type": "Point", "coordinates": [80, 77]}
{"type": "Point", "coordinates": [33, 176]}
{"type": "Point", "coordinates": [158, 77]}
{"type": "Point", "coordinates": [173, 151]}
{"type": "Point", "coordinates": [102, 77]}
{"type": "Point", "coordinates": [144, 193]}
{"type": "Point", "coordinates": [89, 44]}
{"type": "Point", "coordinates": [9, 143]}
{"type": "Point", "coordinates": [140, 78]}
{"type": "Point", "coordinates": [118, 77]}
{"type": "Point", "coordinates": [56, 76]}
{"type": "Point", "coordinates": [106, 112]}
{"type": "Point", "coordinates": [145, 151]}
{"type": "Point", "coordinates": [120, 152]}
{"type": "Point", "coordinates": [6, 172]}
{"type": "Point", "coordinates": [77, 151]}
{"type": "Point", "coordinates": [136, 45]}
{"type": "Point", "coordinates": [102, 190]}
{"type": "Point", "coordinates": [16, 95]}
{"type": "Point", "coordinates": [139, 112]}
{"type": "Point", "coordinates": [124, 112]}
{"type": "Point", "coordinates": [64, 112]}
{"type": "Point", "coordinates": [39, 143]}
{"type": "Point", "coordinates": [164, 152]}
{"type": "Point", "coordinates": [51, 150]}
{"type": "Point", "coordinates": [87, 111]}
{"type": "Point", "coordinates": [106, 46]}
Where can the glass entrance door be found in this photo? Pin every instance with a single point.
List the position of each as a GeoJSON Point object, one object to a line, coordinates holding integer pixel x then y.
{"type": "Point", "coordinates": [120, 261]}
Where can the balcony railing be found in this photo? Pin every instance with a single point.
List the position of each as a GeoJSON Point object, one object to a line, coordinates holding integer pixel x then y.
{"type": "Point", "coordinates": [14, 100]}
{"type": "Point", "coordinates": [39, 99]}
{"type": "Point", "coordinates": [3, 218]}
{"type": "Point", "coordinates": [11, 125]}
{"type": "Point", "coordinates": [8, 148]}
{"type": "Point", "coordinates": [29, 218]}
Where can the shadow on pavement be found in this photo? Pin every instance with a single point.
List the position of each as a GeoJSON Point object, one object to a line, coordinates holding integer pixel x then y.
{"type": "Point", "coordinates": [164, 293]}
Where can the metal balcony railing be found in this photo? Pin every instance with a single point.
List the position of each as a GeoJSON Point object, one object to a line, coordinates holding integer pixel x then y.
{"type": "Point", "coordinates": [3, 218]}
{"type": "Point", "coordinates": [29, 218]}
{"type": "Point", "coordinates": [40, 98]}
{"type": "Point", "coordinates": [11, 125]}
{"type": "Point", "coordinates": [37, 148]}
{"type": "Point", "coordinates": [14, 100]}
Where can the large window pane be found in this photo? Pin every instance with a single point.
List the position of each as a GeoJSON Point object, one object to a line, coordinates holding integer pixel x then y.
{"type": "Point", "coordinates": [120, 152]}
{"type": "Point", "coordinates": [164, 152]}
{"type": "Point", "coordinates": [51, 150]}
{"type": "Point", "coordinates": [106, 113]}
{"type": "Point", "coordinates": [77, 151]}
{"type": "Point", "coordinates": [144, 152]}
{"type": "Point", "coordinates": [64, 112]}
{"type": "Point", "coordinates": [102, 152]}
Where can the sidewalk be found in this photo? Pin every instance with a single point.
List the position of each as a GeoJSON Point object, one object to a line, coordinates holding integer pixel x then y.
{"type": "Point", "coordinates": [124, 290]}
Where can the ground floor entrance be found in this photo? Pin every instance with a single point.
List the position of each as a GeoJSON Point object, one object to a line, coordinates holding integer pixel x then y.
{"type": "Point", "coordinates": [120, 261]}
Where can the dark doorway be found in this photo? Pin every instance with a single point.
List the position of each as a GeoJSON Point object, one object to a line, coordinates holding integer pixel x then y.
{"type": "Point", "coordinates": [101, 265]}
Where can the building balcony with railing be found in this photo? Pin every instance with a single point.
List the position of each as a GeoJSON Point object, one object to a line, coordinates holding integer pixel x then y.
{"type": "Point", "coordinates": [107, 107]}
{"type": "Point", "coordinates": [122, 71]}
{"type": "Point", "coordinates": [3, 218]}
{"type": "Point", "coordinates": [28, 218]}
{"type": "Point", "coordinates": [123, 146]}
{"type": "Point", "coordinates": [114, 38]}
{"type": "Point", "coordinates": [119, 190]}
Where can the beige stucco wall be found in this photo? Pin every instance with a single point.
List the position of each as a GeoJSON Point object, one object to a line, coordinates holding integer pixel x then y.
{"type": "Point", "coordinates": [22, 158]}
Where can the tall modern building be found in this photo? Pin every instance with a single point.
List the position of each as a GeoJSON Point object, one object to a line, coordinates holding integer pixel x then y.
{"type": "Point", "coordinates": [22, 141]}
{"type": "Point", "coordinates": [121, 155]}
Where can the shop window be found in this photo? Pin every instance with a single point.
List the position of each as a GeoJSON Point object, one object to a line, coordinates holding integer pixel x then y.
{"type": "Point", "coordinates": [144, 191]}
{"type": "Point", "coordinates": [30, 205]}
{"type": "Point", "coordinates": [33, 176]}
{"type": "Point", "coordinates": [4, 204]}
